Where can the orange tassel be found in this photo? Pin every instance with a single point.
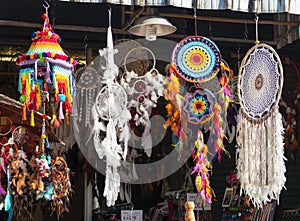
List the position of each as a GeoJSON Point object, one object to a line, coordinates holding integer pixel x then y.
{"type": "Point", "coordinates": [24, 117]}
{"type": "Point", "coordinates": [32, 124]}
{"type": "Point", "coordinates": [67, 118]}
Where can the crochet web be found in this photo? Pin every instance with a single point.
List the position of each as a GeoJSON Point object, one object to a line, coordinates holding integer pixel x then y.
{"type": "Point", "coordinates": [114, 96]}
{"type": "Point", "coordinates": [196, 58]}
{"type": "Point", "coordinates": [260, 82]}
{"type": "Point", "coordinates": [199, 106]}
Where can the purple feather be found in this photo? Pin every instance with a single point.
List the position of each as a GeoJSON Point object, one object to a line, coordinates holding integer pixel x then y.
{"type": "Point", "coordinates": [2, 191]}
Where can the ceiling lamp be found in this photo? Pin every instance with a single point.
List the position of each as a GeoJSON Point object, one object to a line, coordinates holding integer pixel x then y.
{"type": "Point", "coordinates": [152, 25]}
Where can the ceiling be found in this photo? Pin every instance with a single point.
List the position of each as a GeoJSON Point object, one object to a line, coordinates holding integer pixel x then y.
{"type": "Point", "coordinates": [84, 25]}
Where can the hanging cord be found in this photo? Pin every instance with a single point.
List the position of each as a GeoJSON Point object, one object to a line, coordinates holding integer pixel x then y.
{"type": "Point", "coordinates": [85, 40]}
{"type": "Point", "coordinates": [210, 29]}
{"type": "Point", "coordinates": [246, 32]}
{"type": "Point", "coordinates": [195, 17]}
{"type": "Point", "coordinates": [46, 22]}
{"type": "Point", "coordinates": [109, 17]}
{"type": "Point", "coordinates": [53, 12]}
{"type": "Point", "coordinates": [256, 28]}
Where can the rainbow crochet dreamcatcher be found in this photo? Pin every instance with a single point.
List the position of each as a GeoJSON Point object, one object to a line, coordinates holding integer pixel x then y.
{"type": "Point", "coordinates": [260, 156]}
{"type": "Point", "coordinates": [197, 60]}
{"type": "Point", "coordinates": [45, 69]}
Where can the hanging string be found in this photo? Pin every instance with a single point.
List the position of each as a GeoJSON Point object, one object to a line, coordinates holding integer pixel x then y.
{"type": "Point", "coordinates": [53, 11]}
{"type": "Point", "coordinates": [85, 40]}
{"type": "Point", "coordinates": [195, 17]}
{"type": "Point", "coordinates": [256, 28]}
{"type": "Point", "coordinates": [46, 6]}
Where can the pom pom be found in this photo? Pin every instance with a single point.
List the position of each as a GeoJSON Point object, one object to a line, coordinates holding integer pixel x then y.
{"type": "Point", "coordinates": [22, 98]}
{"type": "Point", "coordinates": [32, 106]}
{"type": "Point", "coordinates": [44, 16]}
{"type": "Point", "coordinates": [44, 116]}
{"type": "Point", "coordinates": [43, 136]}
{"type": "Point", "coordinates": [62, 97]}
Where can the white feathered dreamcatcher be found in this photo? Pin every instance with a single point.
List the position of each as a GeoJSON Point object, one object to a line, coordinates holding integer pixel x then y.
{"type": "Point", "coordinates": [110, 107]}
{"type": "Point", "coordinates": [144, 91]}
{"type": "Point", "coordinates": [260, 154]}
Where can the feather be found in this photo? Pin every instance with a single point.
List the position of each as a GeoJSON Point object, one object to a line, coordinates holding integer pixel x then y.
{"type": "Point", "coordinates": [147, 139]}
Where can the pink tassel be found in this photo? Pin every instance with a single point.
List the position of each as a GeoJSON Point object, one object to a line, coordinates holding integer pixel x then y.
{"type": "Point", "coordinates": [60, 112]}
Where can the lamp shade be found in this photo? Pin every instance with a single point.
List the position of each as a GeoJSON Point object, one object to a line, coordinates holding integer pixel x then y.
{"type": "Point", "coordinates": [152, 26]}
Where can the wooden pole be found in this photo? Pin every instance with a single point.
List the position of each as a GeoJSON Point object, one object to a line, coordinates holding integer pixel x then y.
{"type": "Point", "coordinates": [226, 20]}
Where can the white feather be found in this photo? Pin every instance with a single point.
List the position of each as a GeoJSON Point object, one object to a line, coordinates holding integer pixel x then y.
{"type": "Point", "coordinates": [147, 139]}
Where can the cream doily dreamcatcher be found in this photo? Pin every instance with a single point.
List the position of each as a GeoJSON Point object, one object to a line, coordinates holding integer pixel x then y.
{"type": "Point", "coordinates": [260, 154]}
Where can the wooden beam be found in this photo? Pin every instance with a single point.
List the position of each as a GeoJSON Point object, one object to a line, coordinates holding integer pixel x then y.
{"type": "Point", "coordinates": [60, 27]}
{"type": "Point", "coordinates": [225, 20]}
{"type": "Point", "coordinates": [115, 31]}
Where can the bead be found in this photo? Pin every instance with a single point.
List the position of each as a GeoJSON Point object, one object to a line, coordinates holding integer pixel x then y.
{"type": "Point", "coordinates": [62, 97]}
{"type": "Point", "coordinates": [44, 116]}
{"type": "Point", "coordinates": [22, 98]}
{"type": "Point", "coordinates": [43, 136]}
{"type": "Point", "coordinates": [32, 106]}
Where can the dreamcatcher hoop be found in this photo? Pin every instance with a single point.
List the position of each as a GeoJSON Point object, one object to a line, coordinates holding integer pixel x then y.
{"type": "Point", "coordinates": [102, 101]}
{"type": "Point", "coordinates": [139, 48]}
{"type": "Point", "coordinates": [140, 57]}
{"type": "Point", "coordinates": [258, 96]}
{"type": "Point", "coordinates": [5, 126]}
{"type": "Point", "coordinates": [197, 59]}
{"type": "Point", "coordinates": [20, 135]}
{"type": "Point", "coordinates": [198, 106]}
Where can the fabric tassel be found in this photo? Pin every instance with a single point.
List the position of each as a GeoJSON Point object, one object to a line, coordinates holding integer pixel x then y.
{"type": "Point", "coordinates": [32, 123]}
{"type": "Point", "coordinates": [24, 117]}
{"type": "Point", "coordinates": [67, 118]}
{"type": "Point", "coordinates": [60, 112]}
{"type": "Point", "coordinates": [8, 206]}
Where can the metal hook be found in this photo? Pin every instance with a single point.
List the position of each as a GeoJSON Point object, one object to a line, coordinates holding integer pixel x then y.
{"type": "Point", "coordinates": [46, 5]}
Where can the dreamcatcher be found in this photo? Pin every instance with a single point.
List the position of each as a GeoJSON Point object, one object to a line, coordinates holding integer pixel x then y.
{"type": "Point", "coordinates": [111, 107]}
{"type": "Point", "coordinates": [260, 157]}
{"type": "Point", "coordinates": [144, 91]}
{"type": "Point", "coordinates": [197, 59]}
{"type": "Point", "coordinates": [200, 108]}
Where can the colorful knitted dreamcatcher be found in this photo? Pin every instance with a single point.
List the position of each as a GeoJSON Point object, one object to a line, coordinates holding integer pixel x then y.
{"type": "Point", "coordinates": [260, 156]}
{"type": "Point", "coordinates": [46, 69]}
{"type": "Point", "coordinates": [197, 60]}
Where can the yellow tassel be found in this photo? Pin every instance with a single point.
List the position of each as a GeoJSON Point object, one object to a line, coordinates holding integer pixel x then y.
{"type": "Point", "coordinates": [24, 117]}
{"type": "Point", "coordinates": [32, 124]}
{"type": "Point", "coordinates": [67, 118]}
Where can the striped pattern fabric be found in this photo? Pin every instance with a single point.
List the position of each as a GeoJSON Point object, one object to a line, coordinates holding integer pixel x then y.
{"type": "Point", "coordinates": [261, 6]}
